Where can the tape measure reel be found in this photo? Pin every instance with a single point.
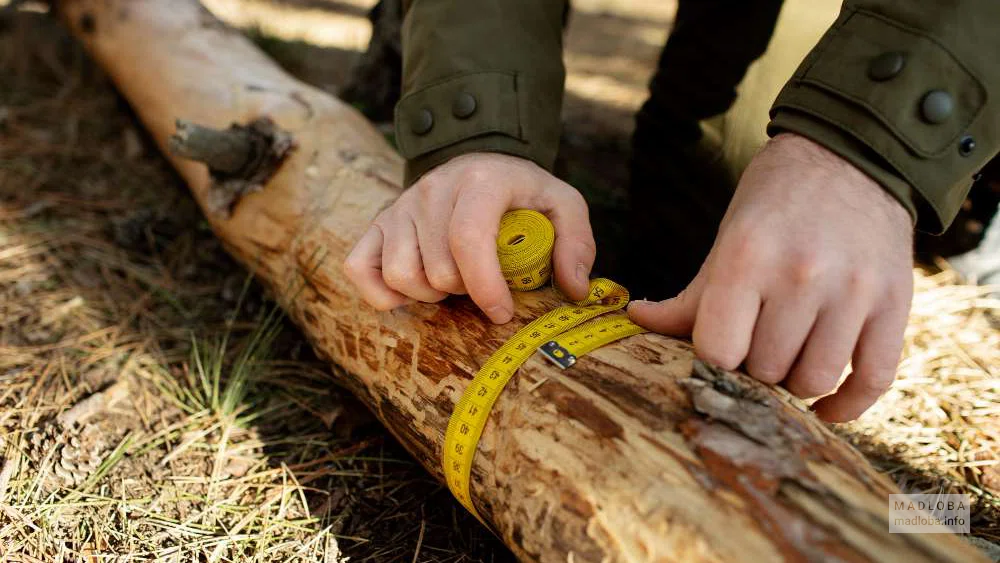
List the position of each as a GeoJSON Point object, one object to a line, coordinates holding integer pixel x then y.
{"type": "Point", "coordinates": [524, 249]}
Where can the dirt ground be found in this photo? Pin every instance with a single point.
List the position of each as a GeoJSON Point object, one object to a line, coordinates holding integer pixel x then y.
{"type": "Point", "coordinates": [155, 406]}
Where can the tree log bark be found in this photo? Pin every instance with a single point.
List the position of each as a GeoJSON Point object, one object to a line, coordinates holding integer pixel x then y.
{"type": "Point", "coordinates": [625, 457]}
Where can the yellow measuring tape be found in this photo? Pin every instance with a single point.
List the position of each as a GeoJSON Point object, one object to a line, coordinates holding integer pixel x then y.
{"type": "Point", "coordinates": [524, 247]}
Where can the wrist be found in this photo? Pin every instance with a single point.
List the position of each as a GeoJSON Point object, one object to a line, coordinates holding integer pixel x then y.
{"type": "Point", "coordinates": [496, 144]}
{"type": "Point", "coordinates": [881, 193]}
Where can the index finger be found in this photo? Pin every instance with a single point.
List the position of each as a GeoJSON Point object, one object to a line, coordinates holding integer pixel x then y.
{"type": "Point", "coordinates": [363, 267]}
{"type": "Point", "coordinates": [472, 237]}
{"type": "Point", "coordinates": [575, 249]}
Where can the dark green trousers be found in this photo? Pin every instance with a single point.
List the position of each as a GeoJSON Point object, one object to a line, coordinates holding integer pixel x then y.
{"type": "Point", "coordinates": [678, 194]}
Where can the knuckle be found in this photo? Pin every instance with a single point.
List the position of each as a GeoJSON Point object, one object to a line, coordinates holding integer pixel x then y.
{"type": "Point", "coordinates": [424, 190]}
{"type": "Point", "coordinates": [767, 373]}
{"type": "Point", "coordinates": [385, 218]}
{"type": "Point", "coordinates": [743, 250]}
{"type": "Point", "coordinates": [574, 197]}
{"type": "Point", "coordinates": [473, 176]}
{"type": "Point", "coordinates": [860, 282]}
{"type": "Point", "coordinates": [587, 245]}
{"type": "Point", "coordinates": [436, 298]}
{"type": "Point", "coordinates": [351, 267]}
{"type": "Point", "coordinates": [882, 373]}
{"type": "Point", "coordinates": [430, 182]}
{"type": "Point", "coordinates": [721, 358]}
{"type": "Point", "coordinates": [814, 384]}
{"type": "Point", "coordinates": [397, 278]}
{"type": "Point", "coordinates": [446, 280]}
{"type": "Point", "coordinates": [427, 191]}
{"type": "Point", "coordinates": [875, 382]}
{"type": "Point", "coordinates": [745, 236]}
{"type": "Point", "coordinates": [461, 227]}
{"type": "Point", "coordinates": [388, 213]}
{"type": "Point", "coordinates": [462, 235]}
{"type": "Point", "coordinates": [434, 178]}
{"type": "Point", "coordinates": [805, 270]}
{"type": "Point", "coordinates": [457, 242]}
{"type": "Point", "coordinates": [736, 269]}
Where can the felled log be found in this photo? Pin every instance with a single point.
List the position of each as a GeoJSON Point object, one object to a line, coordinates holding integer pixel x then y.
{"type": "Point", "coordinates": [625, 457]}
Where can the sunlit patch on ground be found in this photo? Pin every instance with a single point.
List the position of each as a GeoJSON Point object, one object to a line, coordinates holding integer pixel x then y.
{"type": "Point", "coordinates": [340, 24]}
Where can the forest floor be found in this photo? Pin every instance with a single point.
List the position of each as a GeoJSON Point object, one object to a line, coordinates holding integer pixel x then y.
{"type": "Point", "coordinates": [154, 404]}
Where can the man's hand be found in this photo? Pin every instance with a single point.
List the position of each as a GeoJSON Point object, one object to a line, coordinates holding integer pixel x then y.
{"type": "Point", "coordinates": [439, 237]}
{"type": "Point", "coordinates": [811, 269]}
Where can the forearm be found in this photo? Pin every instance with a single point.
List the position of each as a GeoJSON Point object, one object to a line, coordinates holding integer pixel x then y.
{"type": "Point", "coordinates": [907, 92]}
{"type": "Point", "coordinates": [480, 75]}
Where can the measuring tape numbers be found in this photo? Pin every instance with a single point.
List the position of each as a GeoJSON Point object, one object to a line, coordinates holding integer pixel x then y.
{"type": "Point", "coordinates": [565, 349]}
{"type": "Point", "coordinates": [524, 248]}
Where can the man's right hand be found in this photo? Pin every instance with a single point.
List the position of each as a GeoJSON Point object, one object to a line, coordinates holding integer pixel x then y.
{"type": "Point", "coordinates": [439, 237]}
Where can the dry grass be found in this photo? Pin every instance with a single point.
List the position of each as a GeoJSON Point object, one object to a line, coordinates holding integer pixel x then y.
{"type": "Point", "coordinates": [938, 429]}
{"type": "Point", "coordinates": [153, 405]}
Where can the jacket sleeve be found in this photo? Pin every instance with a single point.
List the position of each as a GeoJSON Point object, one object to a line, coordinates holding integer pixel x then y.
{"type": "Point", "coordinates": [908, 92]}
{"type": "Point", "coordinates": [480, 75]}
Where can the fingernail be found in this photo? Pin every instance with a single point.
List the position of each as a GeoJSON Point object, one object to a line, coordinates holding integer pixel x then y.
{"type": "Point", "coordinates": [581, 273]}
{"type": "Point", "coordinates": [638, 304]}
{"type": "Point", "coordinates": [499, 314]}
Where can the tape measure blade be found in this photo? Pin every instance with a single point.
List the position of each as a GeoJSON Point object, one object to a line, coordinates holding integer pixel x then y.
{"type": "Point", "coordinates": [479, 396]}
{"type": "Point", "coordinates": [573, 344]}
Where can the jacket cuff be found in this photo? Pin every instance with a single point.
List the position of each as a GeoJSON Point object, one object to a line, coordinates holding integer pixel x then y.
{"type": "Point", "coordinates": [492, 111]}
{"type": "Point", "coordinates": [899, 105]}
{"type": "Point", "coordinates": [847, 148]}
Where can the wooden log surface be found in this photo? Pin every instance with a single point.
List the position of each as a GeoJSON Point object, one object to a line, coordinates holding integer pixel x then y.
{"type": "Point", "coordinates": [625, 457]}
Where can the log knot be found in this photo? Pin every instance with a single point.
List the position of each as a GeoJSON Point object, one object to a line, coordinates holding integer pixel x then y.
{"type": "Point", "coordinates": [780, 461]}
{"type": "Point", "coordinates": [739, 404]}
{"type": "Point", "coordinates": [240, 159]}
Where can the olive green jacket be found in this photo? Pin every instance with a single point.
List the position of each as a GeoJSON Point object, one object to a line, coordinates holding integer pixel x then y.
{"type": "Point", "coordinates": [900, 88]}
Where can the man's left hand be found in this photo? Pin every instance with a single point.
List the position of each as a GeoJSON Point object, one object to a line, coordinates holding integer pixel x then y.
{"type": "Point", "coordinates": [811, 269]}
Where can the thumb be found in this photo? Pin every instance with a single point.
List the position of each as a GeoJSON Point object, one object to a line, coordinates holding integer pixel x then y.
{"type": "Point", "coordinates": [675, 316]}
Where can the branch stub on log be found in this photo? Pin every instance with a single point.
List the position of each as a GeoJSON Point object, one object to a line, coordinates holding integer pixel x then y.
{"type": "Point", "coordinates": [241, 159]}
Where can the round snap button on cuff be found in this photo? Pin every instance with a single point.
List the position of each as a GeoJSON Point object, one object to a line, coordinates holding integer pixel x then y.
{"type": "Point", "coordinates": [422, 122]}
{"type": "Point", "coordinates": [886, 66]}
{"type": "Point", "coordinates": [966, 145]}
{"type": "Point", "coordinates": [937, 106]}
{"type": "Point", "coordinates": [464, 105]}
